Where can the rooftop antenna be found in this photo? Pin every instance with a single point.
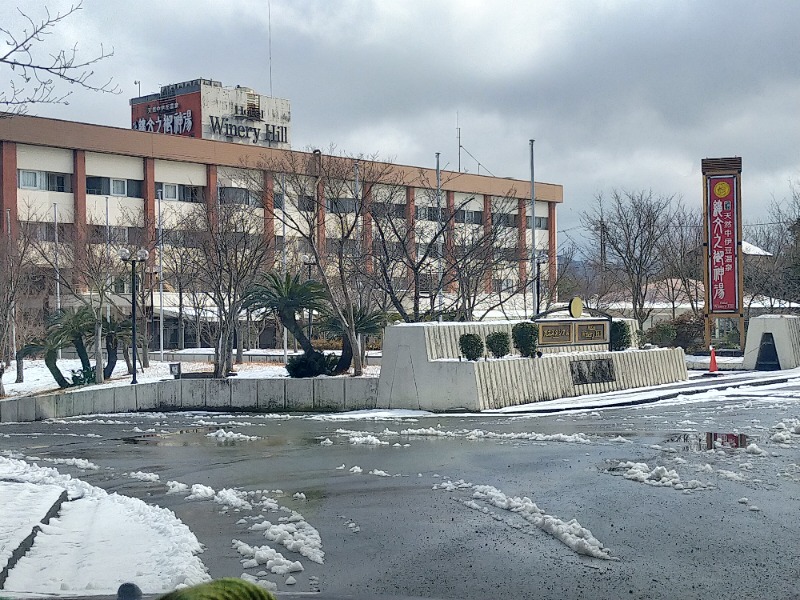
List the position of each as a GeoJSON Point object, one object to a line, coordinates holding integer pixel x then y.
{"type": "Point", "coordinates": [458, 135]}
{"type": "Point", "coordinates": [269, 28]}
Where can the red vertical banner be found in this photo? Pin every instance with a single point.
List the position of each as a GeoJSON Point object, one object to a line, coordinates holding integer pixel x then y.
{"type": "Point", "coordinates": [723, 244]}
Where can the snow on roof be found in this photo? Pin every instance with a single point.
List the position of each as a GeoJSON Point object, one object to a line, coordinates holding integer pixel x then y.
{"type": "Point", "coordinates": [752, 250]}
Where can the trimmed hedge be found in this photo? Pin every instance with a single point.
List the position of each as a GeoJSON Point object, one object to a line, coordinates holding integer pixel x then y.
{"type": "Point", "coordinates": [498, 343]}
{"type": "Point", "coordinates": [526, 338]}
{"type": "Point", "coordinates": [620, 335]}
{"type": "Point", "coordinates": [471, 345]}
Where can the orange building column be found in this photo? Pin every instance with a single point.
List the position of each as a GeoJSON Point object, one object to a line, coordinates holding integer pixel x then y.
{"type": "Point", "coordinates": [487, 233]}
{"type": "Point", "coordinates": [366, 229]}
{"type": "Point", "coordinates": [8, 189]}
{"type": "Point", "coordinates": [150, 217]}
{"type": "Point", "coordinates": [552, 243]}
{"type": "Point", "coordinates": [268, 201]}
{"type": "Point", "coordinates": [211, 193]}
{"type": "Point", "coordinates": [522, 240]}
{"type": "Point", "coordinates": [320, 236]}
{"type": "Point", "coordinates": [449, 240]}
{"type": "Point", "coordinates": [410, 213]}
{"type": "Point", "coordinates": [80, 239]}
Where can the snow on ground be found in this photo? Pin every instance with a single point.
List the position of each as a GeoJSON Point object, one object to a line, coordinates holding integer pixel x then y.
{"type": "Point", "coordinates": [221, 435]}
{"type": "Point", "coordinates": [24, 505]}
{"type": "Point", "coordinates": [99, 540]}
{"type": "Point", "coordinates": [570, 533]}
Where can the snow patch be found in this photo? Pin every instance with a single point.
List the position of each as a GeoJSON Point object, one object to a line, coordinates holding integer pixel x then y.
{"type": "Point", "coordinates": [143, 476]}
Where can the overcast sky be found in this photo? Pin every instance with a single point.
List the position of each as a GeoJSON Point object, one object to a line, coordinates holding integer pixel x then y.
{"type": "Point", "coordinates": [618, 94]}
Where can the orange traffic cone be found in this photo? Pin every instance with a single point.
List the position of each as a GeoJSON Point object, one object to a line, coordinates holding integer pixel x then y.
{"type": "Point", "coordinates": [712, 365]}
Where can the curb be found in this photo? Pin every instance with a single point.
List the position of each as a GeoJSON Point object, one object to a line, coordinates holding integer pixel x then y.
{"type": "Point", "coordinates": [27, 543]}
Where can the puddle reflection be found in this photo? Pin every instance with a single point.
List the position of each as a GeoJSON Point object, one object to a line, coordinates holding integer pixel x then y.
{"type": "Point", "coordinates": [710, 440]}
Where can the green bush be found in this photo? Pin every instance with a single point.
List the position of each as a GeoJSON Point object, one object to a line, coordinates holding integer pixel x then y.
{"type": "Point", "coordinates": [83, 376]}
{"type": "Point", "coordinates": [661, 334]}
{"type": "Point", "coordinates": [690, 333]}
{"type": "Point", "coordinates": [311, 365]}
{"type": "Point", "coordinates": [620, 335]}
{"type": "Point", "coordinates": [471, 345]}
{"type": "Point", "coordinates": [526, 337]}
{"type": "Point", "coordinates": [498, 343]}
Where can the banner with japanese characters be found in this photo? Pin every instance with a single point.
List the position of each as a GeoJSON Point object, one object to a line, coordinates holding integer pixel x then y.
{"type": "Point", "coordinates": [723, 244]}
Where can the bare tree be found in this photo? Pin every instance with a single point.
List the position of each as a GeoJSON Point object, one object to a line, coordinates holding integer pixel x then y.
{"type": "Point", "coordinates": [324, 206]}
{"type": "Point", "coordinates": [628, 228]}
{"type": "Point", "coordinates": [85, 270]}
{"type": "Point", "coordinates": [681, 245]}
{"type": "Point", "coordinates": [232, 254]}
{"type": "Point", "coordinates": [16, 266]}
{"type": "Point", "coordinates": [36, 70]}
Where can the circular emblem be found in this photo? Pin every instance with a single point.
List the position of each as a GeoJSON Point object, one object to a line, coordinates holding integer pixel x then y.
{"type": "Point", "coordinates": [575, 308]}
{"type": "Point", "coordinates": [722, 189]}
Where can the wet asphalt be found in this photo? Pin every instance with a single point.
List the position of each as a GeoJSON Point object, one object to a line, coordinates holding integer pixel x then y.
{"type": "Point", "coordinates": [396, 536]}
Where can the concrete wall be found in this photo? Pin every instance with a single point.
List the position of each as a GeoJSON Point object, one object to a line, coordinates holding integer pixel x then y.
{"type": "Point", "coordinates": [441, 339]}
{"type": "Point", "coordinates": [785, 330]}
{"type": "Point", "coordinates": [323, 394]}
{"type": "Point", "coordinates": [412, 379]}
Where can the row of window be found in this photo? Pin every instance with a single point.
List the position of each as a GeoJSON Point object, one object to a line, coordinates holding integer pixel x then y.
{"type": "Point", "coordinates": [44, 180]}
{"type": "Point", "coordinates": [132, 188]}
{"type": "Point", "coordinates": [179, 192]}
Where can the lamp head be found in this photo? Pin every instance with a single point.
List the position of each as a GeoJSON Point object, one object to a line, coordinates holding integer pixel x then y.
{"type": "Point", "coordinates": [124, 254]}
{"type": "Point", "coordinates": [142, 254]}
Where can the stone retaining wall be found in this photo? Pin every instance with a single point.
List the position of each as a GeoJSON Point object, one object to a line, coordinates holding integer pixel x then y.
{"type": "Point", "coordinates": [412, 379]}
{"type": "Point", "coordinates": [325, 394]}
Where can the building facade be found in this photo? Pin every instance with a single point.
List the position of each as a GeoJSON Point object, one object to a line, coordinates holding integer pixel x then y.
{"type": "Point", "coordinates": [95, 183]}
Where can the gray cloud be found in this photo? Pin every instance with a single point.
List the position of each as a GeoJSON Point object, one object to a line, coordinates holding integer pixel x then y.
{"type": "Point", "coordinates": [618, 94]}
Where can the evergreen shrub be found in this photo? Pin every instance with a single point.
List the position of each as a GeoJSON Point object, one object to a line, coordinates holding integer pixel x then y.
{"type": "Point", "coordinates": [620, 335]}
{"type": "Point", "coordinates": [526, 338]}
{"type": "Point", "coordinates": [471, 345]}
{"type": "Point", "coordinates": [498, 343]}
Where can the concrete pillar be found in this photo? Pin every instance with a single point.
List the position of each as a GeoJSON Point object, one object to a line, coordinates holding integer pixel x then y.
{"type": "Point", "coordinates": [150, 217]}
{"type": "Point", "coordinates": [211, 192]}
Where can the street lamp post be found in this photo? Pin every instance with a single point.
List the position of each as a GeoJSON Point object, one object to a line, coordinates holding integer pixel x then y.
{"type": "Point", "coordinates": [539, 263]}
{"type": "Point", "coordinates": [141, 256]}
{"type": "Point", "coordinates": [309, 262]}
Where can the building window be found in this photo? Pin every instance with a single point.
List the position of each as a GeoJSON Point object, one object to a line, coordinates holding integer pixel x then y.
{"type": "Point", "coordinates": [97, 185]}
{"type": "Point", "coordinates": [190, 193]}
{"type": "Point", "coordinates": [340, 206]}
{"type": "Point", "coordinates": [232, 195]}
{"type": "Point", "coordinates": [42, 180]}
{"type": "Point", "coordinates": [542, 223]}
{"type": "Point", "coordinates": [167, 191]}
{"type": "Point", "coordinates": [503, 285]}
{"type": "Point", "coordinates": [29, 180]}
{"type": "Point", "coordinates": [277, 201]}
{"type": "Point", "coordinates": [119, 187]}
{"type": "Point", "coordinates": [470, 217]}
{"type": "Point", "coordinates": [305, 203]}
{"type": "Point", "coordinates": [59, 182]}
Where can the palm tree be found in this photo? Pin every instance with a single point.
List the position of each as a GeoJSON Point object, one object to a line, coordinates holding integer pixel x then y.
{"type": "Point", "coordinates": [367, 322]}
{"type": "Point", "coordinates": [115, 332]}
{"type": "Point", "coordinates": [70, 327]}
{"type": "Point", "coordinates": [286, 297]}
